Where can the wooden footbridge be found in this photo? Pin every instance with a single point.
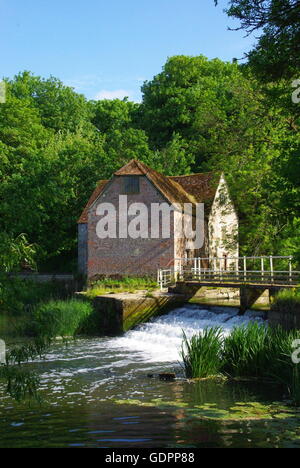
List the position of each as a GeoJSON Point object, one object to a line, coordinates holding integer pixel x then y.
{"type": "Point", "coordinates": [252, 275]}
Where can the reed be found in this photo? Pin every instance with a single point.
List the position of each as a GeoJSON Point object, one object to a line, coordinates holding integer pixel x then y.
{"type": "Point", "coordinates": [253, 351]}
{"type": "Point", "coordinates": [244, 351]}
{"type": "Point", "coordinates": [202, 353]}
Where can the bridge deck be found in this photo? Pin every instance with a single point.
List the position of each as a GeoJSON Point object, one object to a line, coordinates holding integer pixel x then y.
{"type": "Point", "coordinates": [253, 272]}
{"type": "Point", "coordinates": [237, 285]}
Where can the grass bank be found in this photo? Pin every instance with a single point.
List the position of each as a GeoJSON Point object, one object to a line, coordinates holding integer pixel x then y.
{"type": "Point", "coordinates": [19, 298]}
{"type": "Point", "coordinates": [126, 284]}
{"type": "Point", "coordinates": [60, 319]}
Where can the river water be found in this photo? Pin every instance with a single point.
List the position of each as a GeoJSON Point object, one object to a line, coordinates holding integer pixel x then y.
{"type": "Point", "coordinates": [96, 392]}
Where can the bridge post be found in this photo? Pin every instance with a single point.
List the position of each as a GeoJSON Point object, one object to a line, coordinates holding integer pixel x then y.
{"type": "Point", "coordinates": [248, 297]}
{"type": "Point", "coordinates": [272, 268]}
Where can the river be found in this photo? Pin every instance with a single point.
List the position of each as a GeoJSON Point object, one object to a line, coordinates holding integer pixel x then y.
{"type": "Point", "coordinates": [96, 392]}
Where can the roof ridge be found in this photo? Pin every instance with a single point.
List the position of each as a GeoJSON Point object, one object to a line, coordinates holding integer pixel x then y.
{"type": "Point", "coordinates": [195, 174]}
{"type": "Point", "coordinates": [130, 165]}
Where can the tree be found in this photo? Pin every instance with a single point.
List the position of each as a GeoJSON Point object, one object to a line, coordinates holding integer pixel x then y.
{"type": "Point", "coordinates": [59, 106]}
{"type": "Point", "coordinates": [213, 106]}
{"type": "Point", "coordinates": [109, 115]}
{"type": "Point", "coordinates": [277, 53]}
{"type": "Point", "coordinates": [14, 252]}
{"type": "Point", "coordinates": [174, 159]}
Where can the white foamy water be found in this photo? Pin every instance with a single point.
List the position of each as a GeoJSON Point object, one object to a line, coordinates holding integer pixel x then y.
{"type": "Point", "coordinates": [160, 339]}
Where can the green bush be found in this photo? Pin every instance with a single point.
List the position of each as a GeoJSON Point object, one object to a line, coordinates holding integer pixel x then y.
{"type": "Point", "coordinates": [17, 296]}
{"type": "Point", "coordinates": [61, 318]}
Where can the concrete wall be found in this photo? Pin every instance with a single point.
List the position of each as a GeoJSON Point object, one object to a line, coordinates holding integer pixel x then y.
{"type": "Point", "coordinates": [223, 225]}
{"type": "Point", "coordinates": [135, 257]}
{"type": "Point", "coordinates": [118, 313]}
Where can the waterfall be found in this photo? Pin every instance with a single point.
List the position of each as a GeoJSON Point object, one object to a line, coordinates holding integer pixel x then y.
{"type": "Point", "coordinates": [159, 340]}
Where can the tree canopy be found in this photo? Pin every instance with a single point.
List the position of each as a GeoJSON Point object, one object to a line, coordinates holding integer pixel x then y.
{"type": "Point", "coordinates": [277, 53]}
{"type": "Point", "coordinates": [196, 115]}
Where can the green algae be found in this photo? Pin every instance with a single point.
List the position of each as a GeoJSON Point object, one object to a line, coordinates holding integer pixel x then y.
{"type": "Point", "coordinates": [210, 411]}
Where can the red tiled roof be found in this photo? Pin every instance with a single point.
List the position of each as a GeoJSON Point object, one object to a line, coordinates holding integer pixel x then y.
{"type": "Point", "coordinates": [176, 189]}
{"type": "Point", "coordinates": [173, 192]}
{"type": "Point", "coordinates": [202, 186]}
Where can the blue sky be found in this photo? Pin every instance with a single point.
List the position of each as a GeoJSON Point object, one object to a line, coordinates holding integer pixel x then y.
{"type": "Point", "coordinates": [106, 49]}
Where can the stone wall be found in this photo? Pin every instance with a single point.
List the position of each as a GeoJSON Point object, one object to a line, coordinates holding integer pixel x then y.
{"type": "Point", "coordinates": [223, 225]}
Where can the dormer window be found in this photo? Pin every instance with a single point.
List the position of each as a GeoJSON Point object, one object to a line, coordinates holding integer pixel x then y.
{"type": "Point", "coordinates": [131, 185]}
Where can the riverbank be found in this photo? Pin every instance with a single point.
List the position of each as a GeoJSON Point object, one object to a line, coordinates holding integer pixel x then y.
{"type": "Point", "coordinates": [95, 392]}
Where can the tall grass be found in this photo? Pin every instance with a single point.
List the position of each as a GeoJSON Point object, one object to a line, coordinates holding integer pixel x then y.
{"type": "Point", "coordinates": [61, 318]}
{"type": "Point", "coordinates": [18, 296]}
{"type": "Point", "coordinates": [202, 353]}
{"type": "Point", "coordinates": [255, 351]}
{"type": "Point", "coordinates": [244, 351]}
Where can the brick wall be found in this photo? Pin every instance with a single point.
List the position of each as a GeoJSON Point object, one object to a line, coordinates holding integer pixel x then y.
{"type": "Point", "coordinates": [82, 249]}
{"type": "Point", "coordinates": [135, 257]}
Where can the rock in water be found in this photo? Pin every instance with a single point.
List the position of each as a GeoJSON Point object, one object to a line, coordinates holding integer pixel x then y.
{"type": "Point", "coordinates": [167, 376]}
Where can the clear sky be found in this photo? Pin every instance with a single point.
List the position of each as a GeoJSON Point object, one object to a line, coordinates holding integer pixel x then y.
{"type": "Point", "coordinates": [107, 48]}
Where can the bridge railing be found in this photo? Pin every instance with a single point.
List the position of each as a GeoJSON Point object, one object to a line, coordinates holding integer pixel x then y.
{"type": "Point", "coordinates": [257, 270]}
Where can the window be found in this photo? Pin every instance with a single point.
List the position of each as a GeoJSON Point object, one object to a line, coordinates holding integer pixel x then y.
{"type": "Point", "coordinates": [131, 184]}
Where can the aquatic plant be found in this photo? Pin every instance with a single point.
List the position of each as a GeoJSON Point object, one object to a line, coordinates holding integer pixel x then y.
{"type": "Point", "coordinates": [244, 352]}
{"type": "Point", "coordinates": [253, 351]}
{"type": "Point", "coordinates": [20, 382]}
{"type": "Point", "coordinates": [201, 354]}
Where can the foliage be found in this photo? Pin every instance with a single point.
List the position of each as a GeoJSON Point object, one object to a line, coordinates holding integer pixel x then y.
{"type": "Point", "coordinates": [60, 318]}
{"type": "Point", "coordinates": [287, 302]}
{"type": "Point", "coordinates": [126, 284]}
{"type": "Point", "coordinates": [252, 351]}
{"type": "Point", "coordinates": [277, 51]}
{"type": "Point", "coordinates": [18, 296]}
{"type": "Point", "coordinates": [45, 322]}
{"type": "Point", "coordinates": [14, 252]}
{"type": "Point", "coordinates": [20, 382]}
{"type": "Point", "coordinates": [202, 353]}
